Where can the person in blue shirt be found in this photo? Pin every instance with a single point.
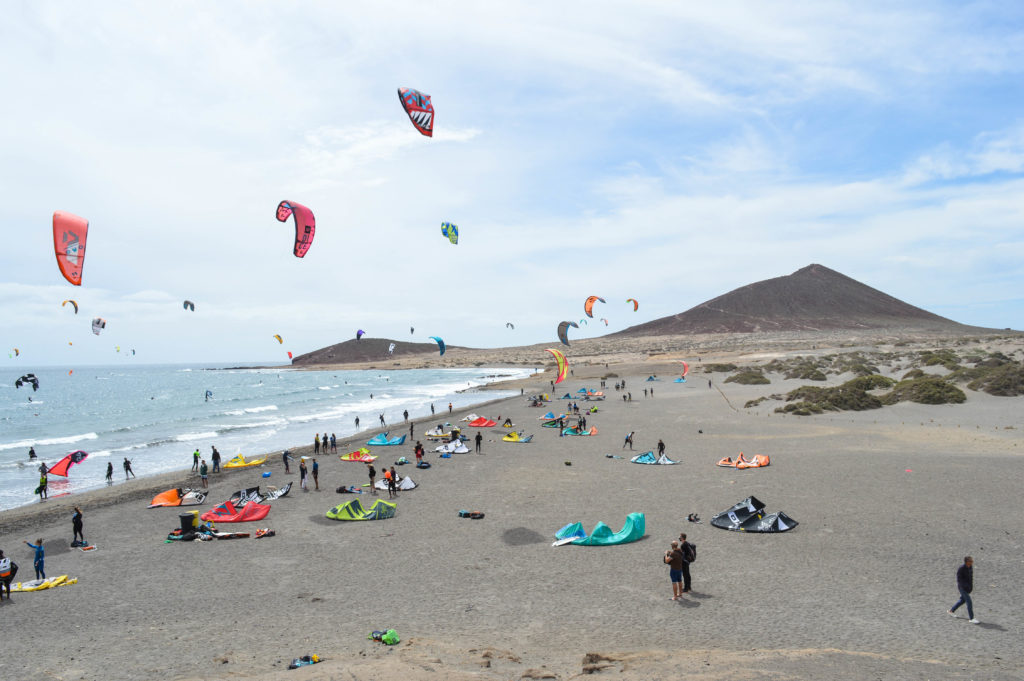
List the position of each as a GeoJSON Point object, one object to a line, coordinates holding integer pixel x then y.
{"type": "Point", "coordinates": [37, 562]}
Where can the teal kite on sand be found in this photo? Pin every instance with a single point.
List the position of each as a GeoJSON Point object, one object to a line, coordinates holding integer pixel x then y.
{"type": "Point", "coordinates": [603, 535]}
{"type": "Point", "coordinates": [382, 440]}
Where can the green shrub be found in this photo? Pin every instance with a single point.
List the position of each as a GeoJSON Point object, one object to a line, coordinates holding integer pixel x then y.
{"type": "Point", "coordinates": [925, 390]}
{"type": "Point", "coordinates": [712, 368]}
{"type": "Point", "coordinates": [754, 403]}
{"type": "Point", "coordinates": [1003, 381]}
{"type": "Point", "coordinates": [871, 382]}
{"type": "Point", "coordinates": [749, 377]}
{"type": "Point", "coordinates": [850, 396]}
{"type": "Point", "coordinates": [800, 409]}
{"type": "Point", "coordinates": [913, 373]}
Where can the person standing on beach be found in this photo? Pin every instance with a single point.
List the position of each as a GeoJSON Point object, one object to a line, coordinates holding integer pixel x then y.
{"type": "Point", "coordinates": [316, 443]}
{"type": "Point", "coordinates": [661, 447]}
{"type": "Point", "coordinates": [449, 407]}
{"type": "Point", "coordinates": [645, 392]}
{"type": "Point", "coordinates": [419, 453]}
{"type": "Point", "coordinates": [373, 477]}
{"type": "Point", "coordinates": [302, 475]}
{"type": "Point", "coordinates": [405, 414]}
{"type": "Point", "coordinates": [393, 482]}
{"type": "Point", "coordinates": [387, 483]}
{"type": "Point", "coordinates": [286, 457]}
{"type": "Point", "coordinates": [412, 425]}
{"type": "Point", "coordinates": [316, 474]}
{"type": "Point", "coordinates": [383, 424]}
{"type": "Point", "coordinates": [195, 460]}
{"type": "Point", "coordinates": [629, 440]}
{"type": "Point", "coordinates": [203, 471]}
{"type": "Point", "coordinates": [674, 560]}
{"type": "Point", "coordinates": [215, 457]}
{"type": "Point", "coordinates": [8, 570]}
{"type": "Point", "coordinates": [965, 585]}
{"type": "Point", "coordinates": [431, 408]}
{"type": "Point", "coordinates": [110, 472]}
{"type": "Point", "coordinates": [40, 557]}
{"type": "Point", "coordinates": [479, 438]}
{"type": "Point", "coordinates": [334, 444]}
{"type": "Point", "coordinates": [357, 422]}
{"type": "Point", "coordinates": [128, 468]}
{"type": "Point", "coordinates": [689, 552]}
{"type": "Point", "coordinates": [709, 384]}
{"type": "Point", "coordinates": [76, 528]}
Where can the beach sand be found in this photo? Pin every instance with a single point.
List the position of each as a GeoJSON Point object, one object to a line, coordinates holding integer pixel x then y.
{"type": "Point", "coordinates": [889, 501]}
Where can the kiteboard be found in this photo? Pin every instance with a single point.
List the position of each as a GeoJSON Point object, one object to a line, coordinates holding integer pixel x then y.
{"type": "Point", "coordinates": [563, 542]}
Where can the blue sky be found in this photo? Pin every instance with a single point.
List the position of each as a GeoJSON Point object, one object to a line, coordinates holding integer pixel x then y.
{"type": "Point", "coordinates": [659, 150]}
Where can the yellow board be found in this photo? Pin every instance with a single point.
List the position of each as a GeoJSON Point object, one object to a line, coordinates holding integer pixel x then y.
{"type": "Point", "coordinates": [43, 584]}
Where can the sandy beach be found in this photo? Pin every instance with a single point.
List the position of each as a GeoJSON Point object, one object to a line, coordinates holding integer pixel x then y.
{"type": "Point", "coordinates": [888, 501]}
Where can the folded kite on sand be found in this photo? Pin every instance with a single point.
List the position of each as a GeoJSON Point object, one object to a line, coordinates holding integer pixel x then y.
{"type": "Point", "coordinates": [741, 462]}
{"type": "Point", "coordinates": [382, 440]}
{"type": "Point", "coordinates": [602, 534]}
{"type": "Point", "coordinates": [749, 516]}
{"type": "Point", "coordinates": [482, 423]}
{"type": "Point", "coordinates": [578, 432]}
{"type": "Point", "coordinates": [517, 437]}
{"type": "Point", "coordinates": [44, 584]}
{"type": "Point", "coordinates": [178, 497]}
{"type": "Point", "coordinates": [457, 447]}
{"type": "Point", "coordinates": [404, 484]}
{"type": "Point", "coordinates": [353, 510]}
{"type": "Point", "coordinates": [227, 513]}
{"type": "Point", "coordinates": [361, 455]}
{"type": "Point", "coordinates": [649, 458]}
{"type": "Point", "coordinates": [240, 462]}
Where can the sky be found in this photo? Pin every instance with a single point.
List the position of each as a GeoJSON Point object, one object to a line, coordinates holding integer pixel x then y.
{"type": "Point", "coordinates": [663, 151]}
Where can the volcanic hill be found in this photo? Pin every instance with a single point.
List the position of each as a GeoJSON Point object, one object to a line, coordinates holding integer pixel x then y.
{"type": "Point", "coordinates": [364, 350]}
{"type": "Point", "coordinates": [813, 298]}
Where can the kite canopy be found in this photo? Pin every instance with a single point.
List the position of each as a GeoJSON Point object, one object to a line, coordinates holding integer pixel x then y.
{"type": "Point", "coordinates": [748, 516]}
{"type": "Point", "coordinates": [450, 231]}
{"type": "Point", "coordinates": [61, 467]}
{"type": "Point", "coordinates": [686, 369]}
{"type": "Point", "coordinates": [603, 535]}
{"type": "Point", "coordinates": [98, 324]}
{"type": "Point", "coordinates": [227, 513]}
{"type": "Point", "coordinates": [649, 458]}
{"type": "Point", "coordinates": [353, 510]}
{"type": "Point", "coordinates": [440, 343]}
{"type": "Point", "coordinates": [419, 108]}
{"type": "Point", "coordinates": [189, 305]}
{"type": "Point", "coordinates": [362, 455]}
{"type": "Point", "coordinates": [305, 224]}
{"type": "Point", "coordinates": [239, 461]}
{"type": "Point", "coordinates": [391, 348]}
{"type": "Point", "coordinates": [482, 422]}
{"type": "Point", "coordinates": [561, 362]}
{"type": "Point", "coordinates": [588, 306]}
{"type": "Point", "coordinates": [562, 328]}
{"type": "Point", "coordinates": [636, 305]}
{"type": "Point", "coordinates": [178, 497]}
{"type": "Point", "coordinates": [359, 334]}
{"type": "Point", "coordinates": [510, 325]}
{"type": "Point", "coordinates": [279, 339]}
{"type": "Point", "coordinates": [73, 303]}
{"type": "Point", "coordinates": [605, 321]}
{"type": "Point", "coordinates": [382, 440]}
{"type": "Point", "coordinates": [69, 234]}
{"type": "Point", "coordinates": [28, 379]}
{"type": "Point", "coordinates": [515, 436]}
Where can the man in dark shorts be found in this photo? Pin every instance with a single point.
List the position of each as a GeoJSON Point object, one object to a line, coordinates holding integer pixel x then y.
{"type": "Point", "coordinates": [8, 571]}
{"type": "Point", "coordinates": [674, 560]}
{"type": "Point", "coordinates": [215, 457]}
{"type": "Point", "coordinates": [373, 477]}
{"type": "Point", "coordinates": [419, 453]}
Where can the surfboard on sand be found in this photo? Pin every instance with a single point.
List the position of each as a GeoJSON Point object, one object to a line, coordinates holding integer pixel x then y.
{"type": "Point", "coordinates": [563, 542]}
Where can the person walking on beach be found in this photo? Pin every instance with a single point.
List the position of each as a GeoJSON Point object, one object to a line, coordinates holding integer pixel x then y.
{"type": "Point", "coordinates": [689, 552]}
{"type": "Point", "coordinates": [629, 440]}
{"type": "Point", "coordinates": [76, 528]}
{"type": "Point", "coordinates": [128, 468]}
{"type": "Point", "coordinates": [110, 472]}
{"type": "Point", "coordinates": [334, 444]}
{"type": "Point", "coordinates": [215, 457]}
{"type": "Point", "coordinates": [645, 392]}
{"type": "Point", "coordinates": [382, 423]}
{"type": "Point", "coordinates": [405, 414]}
{"type": "Point", "coordinates": [195, 460]}
{"type": "Point", "coordinates": [316, 443]}
{"type": "Point", "coordinates": [965, 585]}
{"type": "Point", "coordinates": [203, 473]}
{"type": "Point", "coordinates": [674, 560]}
{"type": "Point", "coordinates": [286, 456]}
{"type": "Point", "coordinates": [661, 447]}
{"type": "Point", "coordinates": [8, 570]}
{"type": "Point", "coordinates": [316, 474]}
{"type": "Point", "coordinates": [479, 438]}
{"type": "Point", "coordinates": [302, 475]}
{"type": "Point", "coordinates": [449, 407]}
{"type": "Point", "coordinates": [373, 477]}
{"type": "Point", "coordinates": [40, 556]}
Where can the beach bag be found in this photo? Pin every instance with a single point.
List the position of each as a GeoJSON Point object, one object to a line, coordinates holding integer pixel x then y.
{"type": "Point", "coordinates": [690, 552]}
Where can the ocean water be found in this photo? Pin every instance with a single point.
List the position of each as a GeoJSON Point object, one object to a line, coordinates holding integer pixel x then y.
{"type": "Point", "coordinates": [157, 415]}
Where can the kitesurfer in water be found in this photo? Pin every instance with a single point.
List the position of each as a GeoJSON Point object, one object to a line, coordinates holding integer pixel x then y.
{"type": "Point", "coordinates": [110, 472]}
{"type": "Point", "coordinates": [31, 453]}
{"type": "Point", "coordinates": [357, 422]}
{"type": "Point", "coordinates": [128, 468]}
{"type": "Point", "coordinates": [42, 484]}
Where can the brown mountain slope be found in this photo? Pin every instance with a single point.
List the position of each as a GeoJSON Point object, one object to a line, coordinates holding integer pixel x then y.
{"type": "Point", "coordinates": [813, 298]}
{"type": "Point", "coordinates": [365, 350]}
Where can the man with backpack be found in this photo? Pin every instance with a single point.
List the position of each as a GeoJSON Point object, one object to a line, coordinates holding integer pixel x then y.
{"type": "Point", "coordinates": [689, 551]}
{"type": "Point", "coordinates": [8, 570]}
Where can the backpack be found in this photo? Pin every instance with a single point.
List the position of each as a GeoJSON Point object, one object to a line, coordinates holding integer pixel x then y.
{"type": "Point", "coordinates": [690, 552]}
{"type": "Point", "coordinates": [5, 568]}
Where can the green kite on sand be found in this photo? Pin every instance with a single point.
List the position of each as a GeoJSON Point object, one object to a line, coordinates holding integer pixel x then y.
{"type": "Point", "coordinates": [353, 510]}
